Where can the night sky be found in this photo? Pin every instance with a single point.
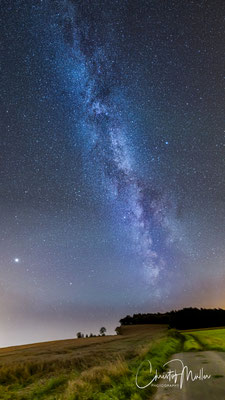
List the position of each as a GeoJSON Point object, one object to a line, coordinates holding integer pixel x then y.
{"type": "Point", "coordinates": [112, 170]}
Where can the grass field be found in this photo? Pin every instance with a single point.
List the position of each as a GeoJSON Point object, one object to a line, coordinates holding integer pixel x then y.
{"type": "Point", "coordinates": [206, 339]}
{"type": "Point", "coordinates": [87, 369]}
{"type": "Point", "coordinates": [98, 368]}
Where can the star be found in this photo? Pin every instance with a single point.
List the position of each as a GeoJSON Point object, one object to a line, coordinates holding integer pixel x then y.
{"type": "Point", "coordinates": [16, 260]}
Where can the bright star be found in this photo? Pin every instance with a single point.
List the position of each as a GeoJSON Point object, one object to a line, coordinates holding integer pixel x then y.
{"type": "Point", "coordinates": [16, 260]}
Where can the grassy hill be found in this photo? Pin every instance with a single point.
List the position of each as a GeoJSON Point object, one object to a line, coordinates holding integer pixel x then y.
{"type": "Point", "coordinates": [97, 368]}
{"type": "Point", "coordinates": [55, 370]}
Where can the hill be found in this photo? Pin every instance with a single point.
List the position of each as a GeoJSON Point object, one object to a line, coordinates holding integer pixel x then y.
{"type": "Point", "coordinates": [46, 370]}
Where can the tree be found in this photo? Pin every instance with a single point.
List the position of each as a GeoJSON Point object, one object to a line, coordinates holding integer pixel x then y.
{"type": "Point", "coordinates": [79, 335]}
{"type": "Point", "coordinates": [102, 331]}
{"type": "Point", "coordinates": [118, 330]}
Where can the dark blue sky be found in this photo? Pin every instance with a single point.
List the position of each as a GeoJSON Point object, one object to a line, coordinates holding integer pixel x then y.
{"type": "Point", "coordinates": [112, 185]}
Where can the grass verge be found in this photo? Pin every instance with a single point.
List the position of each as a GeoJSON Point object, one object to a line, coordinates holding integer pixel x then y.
{"type": "Point", "coordinates": [191, 344]}
{"type": "Point", "coordinates": [117, 380]}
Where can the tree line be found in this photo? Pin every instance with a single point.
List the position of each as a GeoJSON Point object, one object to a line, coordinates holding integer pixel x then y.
{"type": "Point", "coordinates": [187, 318]}
{"type": "Point", "coordinates": [102, 332]}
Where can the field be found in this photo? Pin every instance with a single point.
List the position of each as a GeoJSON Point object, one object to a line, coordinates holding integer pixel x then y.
{"type": "Point", "coordinates": [83, 368]}
{"type": "Point", "coordinates": [97, 368]}
{"type": "Point", "coordinates": [206, 339]}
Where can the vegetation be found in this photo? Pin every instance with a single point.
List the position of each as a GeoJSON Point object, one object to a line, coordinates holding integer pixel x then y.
{"type": "Point", "coordinates": [102, 331]}
{"type": "Point", "coordinates": [80, 335]}
{"type": "Point", "coordinates": [118, 330]}
{"type": "Point", "coordinates": [116, 381]}
{"type": "Point", "coordinates": [187, 318]}
{"type": "Point", "coordinates": [100, 368]}
{"type": "Point", "coordinates": [191, 344]}
{"type": "Point", "coordinates": [72, 369]}
{"type": "Point", "coordinates": [210, 339]}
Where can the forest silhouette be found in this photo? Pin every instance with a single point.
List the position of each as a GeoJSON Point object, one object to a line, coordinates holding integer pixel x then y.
{"type": "Point", "coordinates": [187, 318]}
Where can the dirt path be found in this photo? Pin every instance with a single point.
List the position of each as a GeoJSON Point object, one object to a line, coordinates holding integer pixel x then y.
{"type": "Point", "coordinates": [212, 362]}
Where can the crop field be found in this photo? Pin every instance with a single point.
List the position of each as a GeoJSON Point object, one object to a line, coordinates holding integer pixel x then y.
{"type": "Point", "coordinates": [82, 369]}
{"type": "Point", "coordinates": [97, 368]}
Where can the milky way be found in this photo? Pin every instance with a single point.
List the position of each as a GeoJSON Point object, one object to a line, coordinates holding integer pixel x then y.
{"type": "Point", "coordinates": [106, 141]}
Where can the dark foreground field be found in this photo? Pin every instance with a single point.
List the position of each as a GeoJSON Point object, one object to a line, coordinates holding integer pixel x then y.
{"type": "Point", "coordinates": [104, 368]}
{"type": "Point", "coordinates": [77, 368]}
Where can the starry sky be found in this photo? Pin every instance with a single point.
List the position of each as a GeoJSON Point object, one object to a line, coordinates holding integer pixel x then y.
{"type": "Point", "coordinates": [112, 171]}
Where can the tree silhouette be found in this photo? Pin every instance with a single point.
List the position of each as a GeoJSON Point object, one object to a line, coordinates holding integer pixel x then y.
{"type": "Point", "coordinates": [102, 331]}
{"type": "Point", "coordinates": [187, 318]}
